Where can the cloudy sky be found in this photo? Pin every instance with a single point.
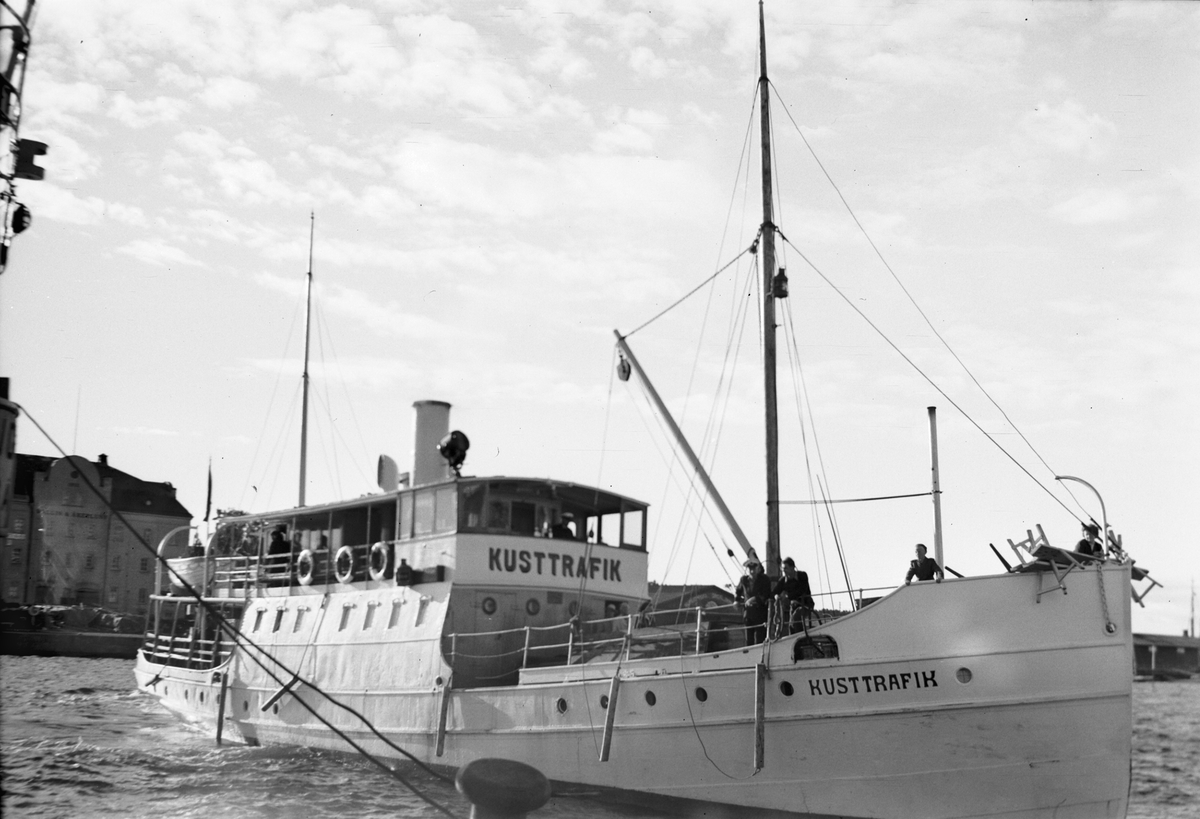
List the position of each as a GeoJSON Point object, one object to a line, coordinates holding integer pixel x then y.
{"type": "Point", "coordinates": [497, 187]}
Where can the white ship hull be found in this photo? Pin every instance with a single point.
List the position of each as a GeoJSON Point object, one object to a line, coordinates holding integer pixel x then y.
{"type": "Point", "coordinates": [973, 697]}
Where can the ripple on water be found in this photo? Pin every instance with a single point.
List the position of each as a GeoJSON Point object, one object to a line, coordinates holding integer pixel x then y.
{"type": "Point", "coordinates": [79, 741]}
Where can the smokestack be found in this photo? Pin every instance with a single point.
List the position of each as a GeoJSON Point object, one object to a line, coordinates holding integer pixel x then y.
{"type": "Point", "coordinates": [431, 423]}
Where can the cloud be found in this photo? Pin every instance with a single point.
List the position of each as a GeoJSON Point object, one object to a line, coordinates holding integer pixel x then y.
{"type": "Point", "coordinates": [1097, 206]}
{"type": "Point", "coordinates": [1068, 128]}
{"type": "Point", "coordinates": [59, 104]}
{"type": "Point", "coordinates": [144, 113]}
{"type": "Point", "coordinates": [228, 92]}
{"type": "Point", "coordinates": [238, 172]}
{"type": "Point", "coordinates": [385, 319]}
{"type": "Point", "coordinates": [631, 132]}
{"type": "Point", "coordinates": [158, 252]}
{"type": "Point", "coordinates": [50, 201]}
{"type": "Point", "coordinates": [150, 431]}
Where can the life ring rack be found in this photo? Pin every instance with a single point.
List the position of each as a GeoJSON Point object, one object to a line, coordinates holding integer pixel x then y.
{"type": "Point", "coordinates": [306, 567]}
{"type": "Point", "coordinates": [379, 561]}
{"type": "Point", "coordinates": [343, 565]}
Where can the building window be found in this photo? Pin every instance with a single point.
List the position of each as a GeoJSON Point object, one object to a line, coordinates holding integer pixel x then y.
{"type": "Point", "coordinates": [112, 595]}
{"type": "Point", "coordinates": [143, 595]}
{"type": "Point", "coordinates": [116, 563]}
{"type": "Point", "coordinates": [89, 562]}
{"type": "Point", "coordinates": [145, 565]}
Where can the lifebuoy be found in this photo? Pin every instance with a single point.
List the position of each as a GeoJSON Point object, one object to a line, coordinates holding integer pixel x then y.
{"type": "Point", "coordinates": [306, 567]}
{"type": "Point", "coordinates": [343, 564]}
{"type": "Point", "coordinates": [379, 561]}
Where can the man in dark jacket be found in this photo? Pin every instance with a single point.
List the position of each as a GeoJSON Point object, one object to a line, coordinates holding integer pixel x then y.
{"type": "Point", "coordinates": [923, 568]}
{"type": "Point", "coordinates": [794, 594]}
{"type": "Point", "coordinates": [753, 593]}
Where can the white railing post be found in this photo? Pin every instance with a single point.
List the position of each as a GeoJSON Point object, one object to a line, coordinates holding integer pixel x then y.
{"type": "Point", "coordinates": [699, 617]}
{"type": "Point", "coordinates": [525, 654]}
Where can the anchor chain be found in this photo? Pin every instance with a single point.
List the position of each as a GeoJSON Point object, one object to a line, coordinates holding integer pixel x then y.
{"type": "Point", "coordinates": [1109, 626]}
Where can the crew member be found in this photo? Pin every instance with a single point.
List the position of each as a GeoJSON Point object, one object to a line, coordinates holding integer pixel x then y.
{"type": "Point", "coordinates": [1090, 544]}
{"type": "Point", "coordinates": [793, 592]}
{"type": "Point", "coordinates": [753, 593]}
{"type": "Point", "coordinates": [923, 568]}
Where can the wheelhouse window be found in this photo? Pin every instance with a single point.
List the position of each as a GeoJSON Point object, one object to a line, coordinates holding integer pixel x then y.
{"type": "Point", "coordinates": [423, 515]}
{"type": "Point", "coordinates": [533, 508]}
{"type": "Point", "coordinates": [445, 509]}
{"type": "Point", "coordinates": [406, 516]}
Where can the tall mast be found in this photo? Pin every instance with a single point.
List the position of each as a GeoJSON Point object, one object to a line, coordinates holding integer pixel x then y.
{"type": "Point", "coordinates": [768, 268]}
{"type": "Point", "coordinates": [312, 227]}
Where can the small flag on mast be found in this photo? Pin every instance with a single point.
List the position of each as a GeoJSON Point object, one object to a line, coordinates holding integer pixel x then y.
{"type": "Point", "coordinates": [208, 503]}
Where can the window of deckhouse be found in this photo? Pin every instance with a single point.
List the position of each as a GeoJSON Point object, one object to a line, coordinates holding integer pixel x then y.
{"type": "Point", "coordinates": [406, 516]}
{"type": "Point", "coordinates": [497, 515]}
{"type": "Point", "coordinates": [446, 509]}
{"type": "Point", "coordinates": [470, 506]}
{"type": "Point", "coordinates": [634, 530]}
{"type": "Point", "coordinates": [524, 518]}
{"type": "Point", "coordinates": [382, 521]}
{"type": "Point", "coordinates": [349, 527]}
{"type": "Point", "coordinates": [423, 513]}
{"type": "Point", "coordinates": [313, 532]}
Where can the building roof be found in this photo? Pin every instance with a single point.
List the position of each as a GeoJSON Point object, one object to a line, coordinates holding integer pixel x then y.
{"type": "Point", "coordinates": [682, 597]}
{"type": "Point", "coordinates": [1166, 640]}
{"type": "Point", "coordinates": [28, 466]}
{"type": "Point", "coordinates": [129, 493]}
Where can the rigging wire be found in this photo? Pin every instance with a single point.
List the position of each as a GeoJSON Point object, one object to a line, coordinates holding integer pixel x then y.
{"type": "Point", "coordinates": [328, 406]}
{"type": "Point", "coordinates": [691, 292]}
{"type": "Point", "coordinates": [710, 440]}
{"type": "Point", "coordinates": [274, 462]}
{"type": "Point", "coordinates": [799, 385]}
{"type": "Point", "coordinates": [260, 656]}
{"type": "Point", "coordinates": [270, 402]}
{"type": "Point", "coordinates": [931, 382]}
{"type": "Point", "coordinates": [930, 324]}
{"type": "Point", "coordinates": [324, 325]}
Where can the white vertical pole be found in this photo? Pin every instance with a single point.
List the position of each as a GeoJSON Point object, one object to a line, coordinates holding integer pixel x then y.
{"type": "Point", "coordinates": [937, 490]}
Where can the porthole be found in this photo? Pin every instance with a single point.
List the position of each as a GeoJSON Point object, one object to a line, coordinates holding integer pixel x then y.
{"type": "Point", "coordinates": [185, 694]}
{"type": "Point", "coordinates": [438, 681]}
{"type": "Point", "coordinates": [964, 675]}
{"type": "Point", "coordinates": [201, 696]}
{"type": "Point", "coordinates": [561, 705]}
{"type": "Point", "coordinates": [701, 694]}
{"type": "Point", "coordinates": [532, 607]}
{"type": "Point", "coordinates": [786, 688]}
{"type": "Point", "coordinates": [245, 706]}
{"type": "Point", "coordinates": [488, 606]}
{"type": "Point", "coordinates": [604, 701]}
{"type": "Point", "coordinates": [650, 698]}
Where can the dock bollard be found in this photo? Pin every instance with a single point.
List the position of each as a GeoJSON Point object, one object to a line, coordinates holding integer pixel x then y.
{"type": "Point", "coordinates": [502, 788]}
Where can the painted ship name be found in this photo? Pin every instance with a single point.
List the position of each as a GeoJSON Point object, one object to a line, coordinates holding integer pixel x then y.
{"type": "Point", "coordinates": [553, 563]}
{"type": "Point", "coordinates": [872, 683]}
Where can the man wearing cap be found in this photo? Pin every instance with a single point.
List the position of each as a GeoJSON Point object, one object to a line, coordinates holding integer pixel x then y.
{"type": "Point", "coordinates": [793, 592]}
{"type": "Point", "coordinates": [753, 593]}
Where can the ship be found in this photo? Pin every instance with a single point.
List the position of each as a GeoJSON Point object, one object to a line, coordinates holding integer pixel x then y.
{"type": "Point", "coordinates": [451, 618]}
